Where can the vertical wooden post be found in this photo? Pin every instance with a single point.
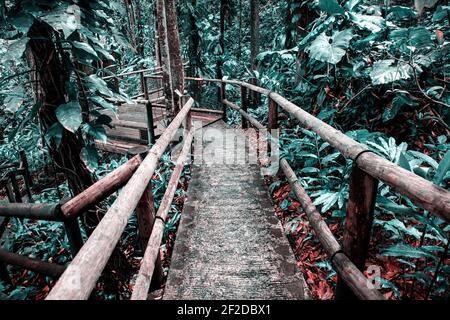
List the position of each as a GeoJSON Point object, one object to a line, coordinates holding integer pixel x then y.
{"type": "Point", "coordinates": [244, 105]}
{"type": "Point", "coordinates": [4, 275]}
{"type": "Point", "coordinates": [150, 124]}
{"type": "Point", "coordinates": [74, 236]}
{"type": "Point", "coordinates": [358, 224]}
{"type": "Point", "coordinates": [24, 165]}
{"type": "Point", "coordinates": [146, 213]}
{"type": "Point", "coordinates": [222, 98]}
{"type": "Point", "coordinates": [145, 87]}
{"type": "Point", "coordinates": [15, 186]}
{"type": "Point", "coordinates": [273, 115]}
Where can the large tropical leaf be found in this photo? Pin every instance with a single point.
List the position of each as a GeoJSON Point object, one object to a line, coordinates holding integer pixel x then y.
{"type": "Point", "coordinates": [331, 7]}
{"type": "Point", "coordinates": [372, 23]}
{"type": "Point", "coordinates": [387, 71]}
{"type": "Point", "coordinates": [69, 115]}
{"type": "Point", "coordinates": [330, 49]}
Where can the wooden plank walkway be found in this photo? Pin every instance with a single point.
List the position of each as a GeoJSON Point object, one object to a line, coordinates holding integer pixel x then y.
{"type": "Point", "coordinates": [130, 126]}
{"type": "Point", "coordinates": [230, 244]}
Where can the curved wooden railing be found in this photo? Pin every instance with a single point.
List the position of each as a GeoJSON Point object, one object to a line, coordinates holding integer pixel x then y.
{"type": "Point", "coordinates": [369, 168]}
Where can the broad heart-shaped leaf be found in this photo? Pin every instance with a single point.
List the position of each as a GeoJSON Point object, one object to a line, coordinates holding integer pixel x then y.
{"type": "Point", "coordinates": [22, 22]}
{"type": "Point", "coordinates": [371, 23]}
{"type": "Point", "coordinates": [331, 7]}
{"type": "Point", "coordinates": [65, 18]}
{"type": "Point", "coordinates": [83, 46]}
{"type": "Point", "coordinates": [14, 49]}
{"type": "Point", "coordinates": [404, 250]}
{"type": "Point", "coordinates": [69, 115]}
{"type": "Point", "coordinates": [330, 49]}
{"type": "Point", "coordinates": [385, 71]}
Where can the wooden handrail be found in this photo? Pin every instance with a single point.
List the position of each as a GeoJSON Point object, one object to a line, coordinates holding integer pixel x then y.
{"type": "Point", "coordinates": [352, 276]}
{"type": "Point", "coordinates": [42, 267]}
{"type": "Point", "coordinates": [101, 189]}
{"type": "Point", "coordinates": [420, 191]}
{"type": "Point", "coordinates": [80, 277]}
{"type": "Point", "coordinates": [142, 285]}
{"type": "Point", "coordinates": [39, 211]}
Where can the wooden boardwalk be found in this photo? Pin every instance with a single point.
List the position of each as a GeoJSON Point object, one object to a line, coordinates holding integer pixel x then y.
{"type": "Point", "coordinates": [230, 244]}
{"type": "Point", "coordinates": [129, 126]}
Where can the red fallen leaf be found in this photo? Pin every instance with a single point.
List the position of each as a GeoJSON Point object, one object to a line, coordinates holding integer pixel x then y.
{"type": "Point", "coordinates": [294, 206]}
{"type": "Point", "coordinates": [388, 295]}
{"type": "Point", "coordinates": [439, 35]}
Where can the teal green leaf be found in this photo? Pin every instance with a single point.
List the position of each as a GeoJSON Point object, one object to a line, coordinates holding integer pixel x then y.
{"type": "Point", "coordinates": [90, 158]}
{"type": "Point", "coordinates": [22, 22]}
{"type": "Point", "coordinates": [14, 49]}
{"type": "Point", "coordinates": [442, 169]}
{"type": "Point", "coordinates": [55, 132]}
{"type": "Point", "coordinates": [69, 115]}
{"type": "Point", "coordinates": [331, 7]}
{"type": "Point", "coordinates": [330, 49]}
{"type": "Point", "coordinates": [65, 18]}
{"type": "Point", "coordinates": [404, 250]}
{"type": "Point", "coordinates": [385, 71]}
{"type": "Point", "coordinates": [86, 48]}
{"type": "Point", "coordinates": [372, 23]}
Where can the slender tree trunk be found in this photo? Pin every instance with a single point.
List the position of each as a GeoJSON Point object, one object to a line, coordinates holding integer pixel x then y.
{"type": "Point", "coordinates": [254, 42]}
{"type": "Point", "coordinates": [164, 51]}
{"type": "Point", "coordinates": [194, 54]}
{"type": "Point", "coordinates": [52, 75]}
{"type": "Point", "coordinates": [239, 49]}
{"type": "Point", "coordinates": [219, 63]}
{"type": "Point", "coordinates": [175, 60]}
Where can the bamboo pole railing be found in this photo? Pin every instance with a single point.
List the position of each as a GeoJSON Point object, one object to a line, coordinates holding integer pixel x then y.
{"type": "Point", "coordinates": [42, 267]}
{"type": "Point", "coordinates": [88, 264]}
{"type": "Point", "coordinates": [142, 285]}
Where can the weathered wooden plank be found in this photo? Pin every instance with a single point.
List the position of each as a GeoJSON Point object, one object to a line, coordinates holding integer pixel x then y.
{"type": "Point", "coordinates": [89, 263]}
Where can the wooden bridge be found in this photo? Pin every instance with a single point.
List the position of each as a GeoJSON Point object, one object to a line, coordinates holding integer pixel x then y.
{"type": "Point", "coordinates": [230, 244]}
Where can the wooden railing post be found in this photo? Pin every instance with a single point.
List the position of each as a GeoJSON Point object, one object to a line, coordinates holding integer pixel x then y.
{"type": "Point", "coordinates": [358, 224]}
{"type": "Point", "coordinates": [145, 211]}
{"type": "Point", "coordinates": [15, 187]}
{"type": "Point", "coordinates": [150, 124]}
{"type": "Point", "coordinates": [145, 87]}
{"type": "Point", "coordinates": [73, 233]}
{"type": "Point", "coordinates": [244, 105]}
{"type": "Point", "coordinates": [273, 114]}
{"type": "Point", "coordinates": [4, 274]}
{"type": "Point", "coordinates": [222, 98]}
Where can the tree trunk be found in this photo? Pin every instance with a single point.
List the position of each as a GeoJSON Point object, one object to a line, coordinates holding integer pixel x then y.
{"type": "Point", "coordinates": [164, 51]}
{"type": "Point", "coordinates": [254, 44]}
{"type": "Point", "coordinates": [239, 49]}
{"type": "Point", "coordinates": [219, 63]}
{"type": "Point", "coordinates": [194, 54]}
{"type": "Point", "coordinates": [175, 60]}
{"type": "Point", "coordinates": [52, 75]}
